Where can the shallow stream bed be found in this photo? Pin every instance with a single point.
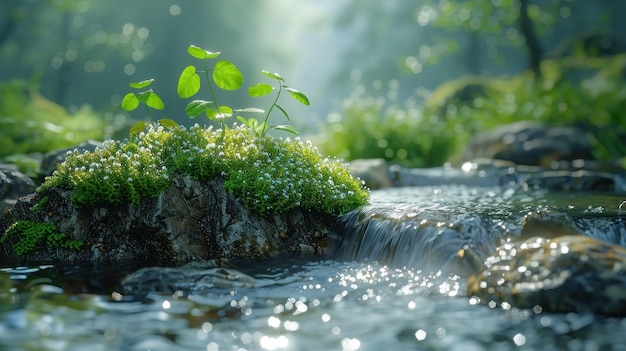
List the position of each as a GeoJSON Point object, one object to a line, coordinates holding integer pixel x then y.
{"type": "Point", "coordinates": [346, 300]}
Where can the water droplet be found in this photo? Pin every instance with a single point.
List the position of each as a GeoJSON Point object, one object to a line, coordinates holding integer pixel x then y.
{"type": "Point", "coordinates": [420, 335]}
{"type": "Point", "coordinates": [519, 339]}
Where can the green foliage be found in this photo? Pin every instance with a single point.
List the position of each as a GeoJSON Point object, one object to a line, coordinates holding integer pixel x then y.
{"type": "Point", "coordinates": [226, 76]}
{"type": "Point", "coordinates": [35, 235]}
{"type": "Point", "coordinates": [271, 175]}
{"type": "Point", "coordinates": [118, 172]}
{"type": "Point", "coordinates": [44, 200]}
{"type": "Point", "coordinates": [32, 123]}
{"type": "Point", "coordinates": [577, 90]}
{"type": "Point", "coordinates": [150, 99]}
{"type": "Point", "coordinates": [376, 127]}
{"type": "Point", "coordinates": [584, 91]}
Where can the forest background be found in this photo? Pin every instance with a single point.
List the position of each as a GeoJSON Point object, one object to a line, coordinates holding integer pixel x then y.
{"type": "Point", "coordinates": [406, 80]}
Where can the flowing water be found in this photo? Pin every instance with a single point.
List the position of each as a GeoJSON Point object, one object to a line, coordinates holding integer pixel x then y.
{"type": "Point", "coordinates": [388, 282]}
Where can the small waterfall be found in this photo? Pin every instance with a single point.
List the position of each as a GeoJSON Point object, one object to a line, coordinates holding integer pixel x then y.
{"type": "Point", "coordinates": [404, 237]}
{"type": "Point", "coordinates": [425, 228]}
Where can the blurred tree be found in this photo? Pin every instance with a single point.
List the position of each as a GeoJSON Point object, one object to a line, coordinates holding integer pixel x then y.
{"type": "Point", "coordinates": [439, 40]}
{"type": "Point", "coordinates": [87, 51]}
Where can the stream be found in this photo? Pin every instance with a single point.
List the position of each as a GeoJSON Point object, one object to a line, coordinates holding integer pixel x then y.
{"type": "Point", "coordinates": [389, 281]}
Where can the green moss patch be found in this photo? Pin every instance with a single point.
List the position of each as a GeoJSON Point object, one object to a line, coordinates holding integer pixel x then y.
{"type": "Point", "coordinates": [34, 235]}
{"type": "Point", "coordinates": [271, 175]}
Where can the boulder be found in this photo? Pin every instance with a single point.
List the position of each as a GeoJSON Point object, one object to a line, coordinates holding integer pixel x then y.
{"type": "Point", "coordinates": [530, 143]}
{"type": "Point", "coordinates": [191, 220]}
{"type": "Point", "coordinates": [13, 185]}
{"type": "Point", "coordinates": [374, 172]}
{"type": "Point", "coordinates": [569, 273]}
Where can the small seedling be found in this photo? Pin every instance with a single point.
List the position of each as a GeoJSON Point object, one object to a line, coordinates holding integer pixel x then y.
{"type": "Point", "coordinates": [150, 99]}
{"type": "Point", "coordinates": [262, 89]}
{"type": "Point", "coordinates": [224, 75]}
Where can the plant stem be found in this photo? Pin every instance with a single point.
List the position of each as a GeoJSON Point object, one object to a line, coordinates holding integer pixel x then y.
{"type": "Point", "coordinates": [217, 106]}
{"type": "Point", "coordinates": [267, 116]}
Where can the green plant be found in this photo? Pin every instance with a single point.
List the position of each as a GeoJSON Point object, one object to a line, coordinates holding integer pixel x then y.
{"type": "Point", "coordinates": [32, 123]}
{"type": "Point", "coordinates": [150, 99]}
{"type": "Point", "coordinates": [371, 126]}
{"type": "Point", "coordinates": [39, 205]}
{"type": "Point", "coordinates": [33, 235]}
{"type": "Point", "coordinates": [118, 172]}
{"type": "Point", "coordinates": [225, 75]}
{"type": "Point", "coordinates": [589, 92]}
{"type": "Point", "coordinates": [574, 90]}
{"type": "Point", "coordinates": [271, 175]}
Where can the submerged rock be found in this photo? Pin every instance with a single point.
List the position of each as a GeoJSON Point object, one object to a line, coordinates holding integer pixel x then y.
{"type": "Point", "coordinates": [191, 220]}
{"type": "Point", "coordinates": [571, 273]}
{"type": "Point", "coordinates": [199, 277]}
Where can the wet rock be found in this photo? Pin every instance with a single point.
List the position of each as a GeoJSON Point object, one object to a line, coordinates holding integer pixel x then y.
{"type": "Point", "coordinates": [13, 185]}
{"type": "Point", "coordinates": [374, 172]}
{"type": "Point", "coordinates": [199, 277]}
{"type": "Point", "coordinates": [547, 225]}
{"type": "Point", "coordinates": [191, 220]}
{"type": "Point", "coordinates": [570, 273]}
{"type": "Point", "coordinates": [483, 173]}
{"type": "Point", "coordinates": [530, 143]}
{"type": "Point", "coordinates": [571, 181]}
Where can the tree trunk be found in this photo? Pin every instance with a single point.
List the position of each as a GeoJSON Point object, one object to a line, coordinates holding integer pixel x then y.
{"type": "Point", "coordinates": [532, 42]}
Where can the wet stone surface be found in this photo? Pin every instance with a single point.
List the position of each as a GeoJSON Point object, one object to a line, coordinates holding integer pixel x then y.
{"type": "Point", "coordinates": [572, 273]}
{"type": "Point", "coordinates": [199, 277]}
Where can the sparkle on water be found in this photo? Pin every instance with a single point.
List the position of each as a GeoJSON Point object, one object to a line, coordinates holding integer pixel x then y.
{"type": "Point", "coordinates": [304, 303]}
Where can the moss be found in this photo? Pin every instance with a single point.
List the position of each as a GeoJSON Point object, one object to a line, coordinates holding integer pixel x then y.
{"type": "Point", "coordinates": [39, 205]}
{"type": "Point", "coordinates": [34, 235]}
{"type": "Point", "coordinates": [271, 175]}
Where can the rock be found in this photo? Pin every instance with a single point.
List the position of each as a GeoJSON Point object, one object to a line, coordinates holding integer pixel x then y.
{"type": "Point", "coordinates": [570, 273]}
{"type": "Point", "coordinates": [581, 180]}
{"type": "Point", "coordinates": [191, 220]}
{"type": "Point", "coordinates": [477, 173]}
{"type": "Point", "coordinates": [13, 185]}
{"type": "Point", "coordinates": [199, 277]}
{"type": "Point", "coordinates": [373, 172]}
{"type": "Point", "coordinates": [530, 143]}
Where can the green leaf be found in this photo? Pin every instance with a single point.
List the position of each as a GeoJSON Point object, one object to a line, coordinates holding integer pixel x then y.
{"type": "Point", "coordinates": [250, 123]}
{"type": "Point", "coordinates": [137, 128]}
{"type": "Point", "coordinates": [129, 102]}
{"type": "Point", "coordinates": [286, 128]}
{"type": "Point", "coordinates": [168, 123]}
{"type": "Point", "coordinates": [283, 111]}
{"type": "Point", "coordinates": [144, 95]}
{"type": "Point", "coordinates": [227, 76]}
{"type": "Point", "coordinates": [210, 113]}
{"type": "Point", "coordinates": [272, 75]}
{"type": "Point", "coordinates": [260, 89]}
{"type": "Point", "coordinates": [224, 111]}
{"type": "Point", "coordinates": [188, 82]}
{"type": "Point", "coordinates": [249, 109]}
{"type": "Point", "coordinates": [154, 101]}
{"type": "Point", "coordinates": [299, 96]}
{"type": "Point", "coordinates": [200, 53]}
{"type": "Point", "coordinates": [142, 84]}
{"type": "Point", "coordinates": [196, 107]}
